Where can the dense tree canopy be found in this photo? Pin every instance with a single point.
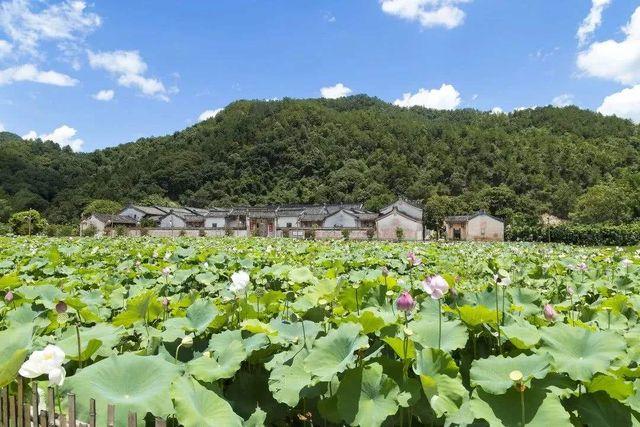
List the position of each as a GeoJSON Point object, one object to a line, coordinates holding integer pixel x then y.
{"type": "Point", "coordinates": [355, 148]}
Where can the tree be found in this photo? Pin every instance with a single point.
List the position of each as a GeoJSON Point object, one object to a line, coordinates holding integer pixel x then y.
{"type": "Point", "coordinates": [5, 210]}
{"type": "Point", "coordinates": [102, 206]}
{"type": "Point", "coordinates": [607, 202]}
{"type": "Point", "coordinates": [158, 200]}
{"type": "Point", "coordinates": [28, 223]}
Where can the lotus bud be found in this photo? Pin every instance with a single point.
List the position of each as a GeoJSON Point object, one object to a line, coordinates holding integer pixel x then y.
{"type": "Point", "coordinates": [405, 302]}
{"type": "Point", "coordinates": [206, 354]}
{"type": "Point", "coordinates": [626, 262]}
{"type": "Point", "coordinates": [61, 307]}
{"type": "Point", "coordinates": [413, 259]}
{"type": "Point", "coordinates": [165, 302]}
{"type": "Point", "coordinates": [408, 332]}
{"type": "Point", "coordinates": [582, 266]}
{"type": "Point", "coordinates": [570, 291]}
{"type": "Point", "coordinates": [187, 341]}
{"type": "Point", "coordinates": [166, 271]}
{"type": "Point", "coordinates": [385, 271]}
{"type": "Point", "coordinates": [8, 297]}
{"type": "Point", "coordinates": [138, 263]}
{"type": "Point", "coordinates": [549, 312]}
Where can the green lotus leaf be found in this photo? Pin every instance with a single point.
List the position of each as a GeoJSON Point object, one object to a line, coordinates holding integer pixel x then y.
{"type": "Point", "coordinates": [600, 410]}
{"type": "Point", "coordinates": [15, 344]}
{"type": "Point", "coordinates": [133, 383]}
{"type": "Point", "coordinates": [397, 344]}
{"type": "Point", "coordinates": [257, 419]}
{"type": "Point", "coordinates": [141, 308]}
{"type": "Point", "coordinates": [522, 334]}
{"type": "Point", "coordinates": [223, 363]}
{"type": "Point", "coordinates": [492, 373]}
{"type": "Point", "coordinates": [477, 315]}
{"type": "Point", "coordinates": [198, 407]}
{"type": "Point", "coordinates": [366, 396]}
{"type": "Point", "coordinates": [541, 408]}
{"type": "Point", "coordinates": [425, 332]}
{"type": "Point", "coordinates": [579, 352]}
{"type": "Point", "coordinates": [287, 381]}
{"type": "Point", "coordinates": [525, 301]}
{"type": "Point", "coordinates": [334, 352]}
{"type": "Point", "coordinates": [615, 387]}
{"type": "Point", "coordinates": [302, 275]}
{"type": "Point", "coordinates": [9, 281]}
{"type": "Point", "coordinates": [370, 321]}
{"type": "Point", "coordinates": [198, 317]}
{"type": "Point", "coordinates": [100, 339]}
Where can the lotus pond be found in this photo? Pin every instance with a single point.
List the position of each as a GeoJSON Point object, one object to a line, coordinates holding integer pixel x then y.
{"type": "Point", "coordinates": [233, 332]}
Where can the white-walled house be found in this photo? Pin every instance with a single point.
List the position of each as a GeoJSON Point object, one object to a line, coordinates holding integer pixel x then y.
{"type": "Point", "coordinates": [102, 222]}
{"type": "Point", "coordinates": [479, 226]}
{"type": "Point", "coordinates": [401, 214]}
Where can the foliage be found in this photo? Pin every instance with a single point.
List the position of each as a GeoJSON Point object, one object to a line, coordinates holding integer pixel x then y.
{"type": "Point", "coordinates": [610, 203]}
{"type": "Point", "coordinates": [102, 206]}
{"type": "Point", "coordinates": [316, 337]}
{"type": "Point", "coordinates": [578, 234]}
{"type": "Point", "coordinates": [28, 222]}
{"type": "Point", "coordinates": [351, 149]}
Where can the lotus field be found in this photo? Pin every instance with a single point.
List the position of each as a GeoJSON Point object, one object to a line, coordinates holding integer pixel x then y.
{"type": "Point", "coordinates": [233, 332]}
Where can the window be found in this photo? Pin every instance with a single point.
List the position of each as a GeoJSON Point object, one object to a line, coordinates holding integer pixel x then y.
{"type": "Point", "coordinates": [289, 225]}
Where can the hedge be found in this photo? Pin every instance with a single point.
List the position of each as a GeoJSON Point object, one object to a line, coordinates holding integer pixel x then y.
{"type": "Point", "coordinates": [578, 234]}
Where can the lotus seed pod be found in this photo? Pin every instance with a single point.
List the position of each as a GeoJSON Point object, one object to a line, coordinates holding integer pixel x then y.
{"type": "Point", "coordinates": [516, 376]}
{"type": "Point", "coordinates": [187, 341]}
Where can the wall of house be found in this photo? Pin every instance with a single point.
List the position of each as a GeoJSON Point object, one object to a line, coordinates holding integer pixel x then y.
{"type": "Point", "coordinates": [484, 227]}
{"type": "Point", "coordinates": [284, 220]}
{"type": "Point", "coordinates": [386, 227]}
{"type": "Point", "coordinates": [172, 221]}
{"type": "Point", "coordinates": [340, 219]}
{"type": "Point", "coordinates": [99, 225]}
{"type": "Point", "coordinates": [450, 227]}
{"type": "Point", "coordinates": [212, 222]}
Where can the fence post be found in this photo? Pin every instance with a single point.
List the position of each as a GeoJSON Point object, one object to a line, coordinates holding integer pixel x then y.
{"type": "Point", "coordinates": [20, 403]}
{"type": "Point", "coordinates": [35, 399]}
{"type": "Point", "coordinates": [92, 413]}
{"type": "Point", "coordinates": [12, 411]}
{"type": "Point", "coordinates": [51, 407]}
{"type": "Point", "coordinates": [72, 409]}
{"type": "Point", "coordinates": [43, 418]}
{"type": "Point", "coordinates": [111, 415]}
{"type": "Point", "coordinates": [5, 406]}
{"type": "Point", "coordinates": [133, 419]}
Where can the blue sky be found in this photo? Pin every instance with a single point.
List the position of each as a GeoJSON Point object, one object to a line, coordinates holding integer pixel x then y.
{"type": "Point", "coordinates": [97, 74]}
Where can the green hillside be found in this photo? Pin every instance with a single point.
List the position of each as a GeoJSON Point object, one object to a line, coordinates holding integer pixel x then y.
{"type": "Point", "coordinates": [355, 148]}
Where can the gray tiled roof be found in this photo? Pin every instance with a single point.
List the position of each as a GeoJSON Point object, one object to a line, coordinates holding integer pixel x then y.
{"type": "Point", "coordinates": [114, 219]}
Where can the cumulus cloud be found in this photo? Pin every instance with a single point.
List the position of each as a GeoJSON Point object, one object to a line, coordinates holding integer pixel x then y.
{"type": "Point", "coordinates": [625, 104]}
{"type": "Point", "coordinates": [445, 98]}
{"type": "Point", "coordinates": [563, 100]}
{"type": "Point", "coordinates": [497, 110]}
{"type": "Point", "coordinates": [129, 67]}
{"type": "Point", "coordinates": [103, 95]}
{"type": "Point", "coordinates": [5, 48]}
{"type": "Point", "coordinates": [2, 129]}
{"type": "Point", "coordinates": [28, 23]}
{"type": "Point", "coordinates": [207, 114]}
{"type": "Point", "coordinates": [615, 60]}
{"type": "Point", "coordinates": [592, 21]}
{"type": "Point", "coordinates": [334, 92]}
{"type": "Point", "coordinates": [429, 13]}
{"type": "Point", "coordinates": [63, 136]}
{"type": "Point", "coordinates": [31, 73]}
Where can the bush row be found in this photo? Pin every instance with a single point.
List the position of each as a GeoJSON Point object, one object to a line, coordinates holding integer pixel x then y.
{"type": "Point", "coordinates": [578, 234]}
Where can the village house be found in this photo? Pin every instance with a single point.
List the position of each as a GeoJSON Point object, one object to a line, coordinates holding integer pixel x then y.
{"type": "Point", "coordinates": [400, 218]}
{"type": "Point", "coordinates": [321, 221]}
{"type": "Point", "coordinates": [479, 226]}
{"type": "Point", "coordinates": [105, 222]}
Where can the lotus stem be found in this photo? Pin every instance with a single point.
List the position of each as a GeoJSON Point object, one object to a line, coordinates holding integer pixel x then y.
{"type": "Point", "coordinates": [522, 404]}
{"type": "Point", "coordinates": [177, 350]}
{"type": "Point", "coordinates": [439, 323]}
{"type": "Point", "coordinates": [79, 346]}
{"type": "Point", "coordinates": [502, 320]}
{"type": "Point", "coordinates": [498, 322]}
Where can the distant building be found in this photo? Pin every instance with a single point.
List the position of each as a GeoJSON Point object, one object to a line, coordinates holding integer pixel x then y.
{"type": "Point", "coordinates": [102, 222]}
{"type": "Point", "coordinates": [479, 226]}
{"type": "Point", "coordinates": [403, 215]}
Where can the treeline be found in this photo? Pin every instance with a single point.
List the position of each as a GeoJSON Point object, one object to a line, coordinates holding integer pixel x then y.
{"type": "Point", "coordinates": [567, 162]}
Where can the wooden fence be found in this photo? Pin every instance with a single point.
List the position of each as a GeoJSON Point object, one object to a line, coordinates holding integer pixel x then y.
{"type": "Point", "coordinates": [16, 410]}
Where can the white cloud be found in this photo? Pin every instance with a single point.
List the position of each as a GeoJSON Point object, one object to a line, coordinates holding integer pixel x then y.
{"type": "Point", "coordinates": [429, 13]}
{"type": "Point", "coordinates": [497, 110]}
{"type": "Point", "coordinates": [63, 136]}
{"type": "Point", "coordinates": [31, 135]}
{"type": "Point", "coordinates": [563, 100]}
{"type": "Point", "coordinates": [207, 114]}
{"type": "Point", "coordinates": [103, 95]}
{"type": "Point", "coordinates": [5, 48]}
{"type": "Point", "coordinates": [334, 92]}
{"type": "Point", "coordinates": [613, 60]}
{"type": "Point", "coordinates": [31, 73]}
{"type": "Point", "coordinates": [118, 62]}
{"type": "Point", "coordinates": [625, 103]}
{"type": "Point", "coordinates": [27, 23]}
{"type": "Point", "coordinates": [445, 98]}
{"type": "Point", "coordinates": [130, 69]}
{"type": "Point", "coordinates": [592, 21]}
{"type": "Point", "coordinates": [2, 129]}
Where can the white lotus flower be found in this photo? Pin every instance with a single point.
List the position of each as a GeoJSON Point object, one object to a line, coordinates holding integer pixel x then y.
{"type": "Point", "coordinates": [45, 362]}
{"type": "Point", "coordinates": [436, 286]}
{"type": "Point", "coordinates": [239, 282]}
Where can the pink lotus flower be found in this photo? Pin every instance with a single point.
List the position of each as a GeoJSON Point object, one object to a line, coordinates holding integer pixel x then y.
{"type": "Point", "coordinates": [405, 302]}
{"type": "Point", "coordinates": [582, 266]}
{"type": "Point", "coordinates": [8, 297]}
{"type": "Point", "coordinates": [165, 302]}
{"type": "Point", "coordinates": [413, 259]}
{"type": "Point", "coordinates": [166, 271]}
{"type": "Point", "coordinates": [435, 286]}
{"type": "Point", "coordinates": [570, 291]}
{"type": "Point", "coordinates": [549, 312]}
{"type": "Point", "coordinates": [61, 307]}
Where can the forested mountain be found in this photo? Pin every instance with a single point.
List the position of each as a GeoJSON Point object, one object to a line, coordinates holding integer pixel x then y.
{"type": "Point", "coordinates": [355, 148]}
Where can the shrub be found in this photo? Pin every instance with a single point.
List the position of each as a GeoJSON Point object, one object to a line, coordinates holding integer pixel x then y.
{"type": "Point", "coordinates": [89, 230]}
{"type": "Point", "coordinates": [121, 231]}
{"type": "Point", "coordinates": [28, 223]}
{"type": "Point", "coordinates": [370, 233]}
{"type": "Point", "coordinates": [399, 234]}
{"type": "Point", "coordinates": [144, 231]}
{"type": "Point", "coordinates": [228, 232]}
{"type": "Point", "coordinates": [578, 234]}
{"type": "Point", "coordinates": [147, 223]}
{"type": "Point", "coordinates": [345, 234]}
{"type": "Point", "coordinates": [61, 230]}
{"type": "Point", "coordinates": [5, 229]}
